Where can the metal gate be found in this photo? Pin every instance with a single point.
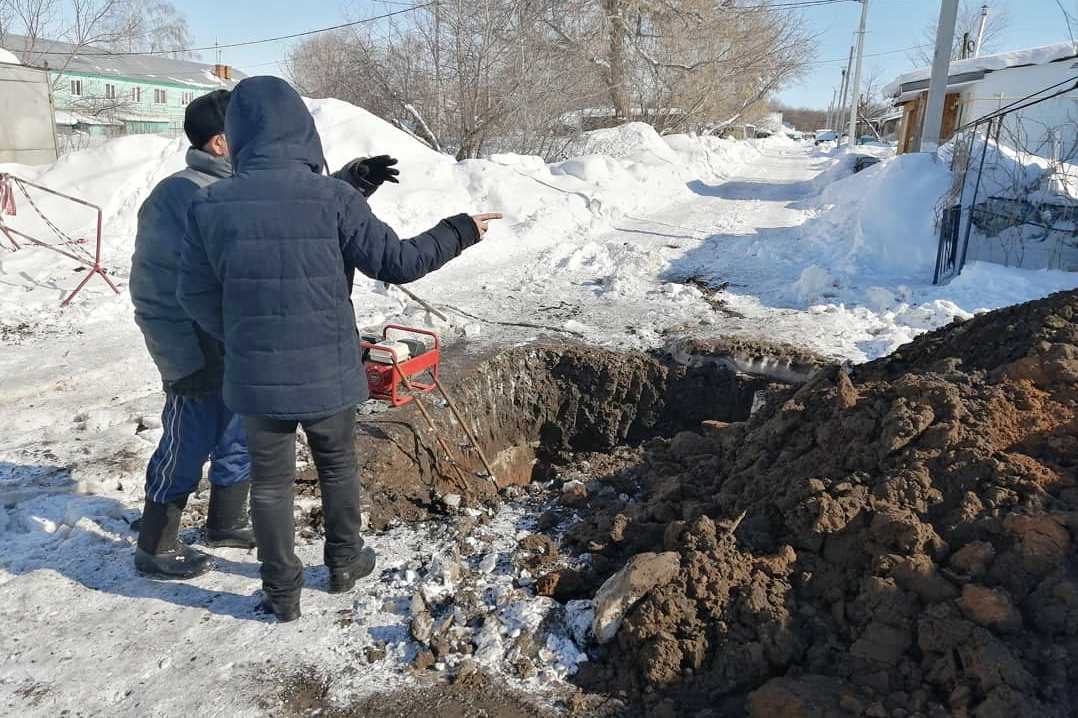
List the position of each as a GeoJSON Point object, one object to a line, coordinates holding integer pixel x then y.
{"type": "Point", "coordinates": [1010, 203]}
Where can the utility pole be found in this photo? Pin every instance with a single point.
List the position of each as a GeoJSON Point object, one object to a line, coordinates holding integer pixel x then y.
{"type": "Point", "coordinates": [937, 88]}
{"type": "Point", "coordinates": [980, 31]}
{"type": "Point", "coordinates": [831, 108]}
{"type": "Point", "coordinates": [840, 110]}
{"type": "Point", "coordinates": [855, 92]}
{"type": "Point", "coordinates": [842, 101]}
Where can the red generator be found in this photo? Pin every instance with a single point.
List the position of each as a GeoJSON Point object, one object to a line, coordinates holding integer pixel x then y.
{"type": "Point", "coordinates": [392, 365]}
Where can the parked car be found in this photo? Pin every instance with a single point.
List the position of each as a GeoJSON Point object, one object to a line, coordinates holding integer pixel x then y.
{"type": "Point", "coordinates": [826, 136]}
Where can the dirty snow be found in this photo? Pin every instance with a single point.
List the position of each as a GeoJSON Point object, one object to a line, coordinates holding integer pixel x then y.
{"type": "Point", "coordinates": [638, 237]}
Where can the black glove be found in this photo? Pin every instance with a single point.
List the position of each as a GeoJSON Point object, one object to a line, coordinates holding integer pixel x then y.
{"type": "Point", "coordinates": [210, 377]}
{"type": "Point", "coordinates": [369, 173]}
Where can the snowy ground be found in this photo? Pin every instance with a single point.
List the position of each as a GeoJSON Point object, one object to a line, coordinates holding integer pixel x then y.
{"type": "Point", "coordinates": [651, 238]}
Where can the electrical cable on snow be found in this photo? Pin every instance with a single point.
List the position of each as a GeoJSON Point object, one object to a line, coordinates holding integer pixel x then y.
{"type": "Point", "coordinates": [527, 325]}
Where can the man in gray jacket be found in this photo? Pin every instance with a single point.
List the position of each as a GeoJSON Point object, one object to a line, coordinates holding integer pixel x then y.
{"type": "Point", "coordinates": [197, 425]}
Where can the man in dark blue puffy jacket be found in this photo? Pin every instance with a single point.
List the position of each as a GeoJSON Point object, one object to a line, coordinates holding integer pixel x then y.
{"type": "Point", "coordinates": [267, 268]}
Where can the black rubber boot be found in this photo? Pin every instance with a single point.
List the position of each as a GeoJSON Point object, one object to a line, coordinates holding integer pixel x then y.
{"type": "Point", "coordinates": [160, 554]}
{"type": "Point", "coordinates": [284, 609]}
{"type": "Point", "coordinates": [227, 521]}
{"type": "Point", "coordinates": [344, 579]}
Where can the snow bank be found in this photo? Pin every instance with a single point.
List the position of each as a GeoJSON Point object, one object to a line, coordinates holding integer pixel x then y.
{"type": "Point", "coordinates": [882, 219]}
{"type": "Point", "coordinates": [633, 141]}
{"type": "Point", "coordinates": [865, 259]}
{"type": "Point", "coordinates": [621, 171]}
{"type": "Point", "coordinates": [8, 57]}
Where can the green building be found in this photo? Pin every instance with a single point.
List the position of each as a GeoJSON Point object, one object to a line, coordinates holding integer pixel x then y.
{"type": "Point", "coordinates": [96, 94]}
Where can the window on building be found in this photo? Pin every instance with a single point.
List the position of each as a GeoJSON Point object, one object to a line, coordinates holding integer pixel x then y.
{"type": "Point", "coordinates": [136, 94]}
{"type": "Point", "coordinates": [188, 98]}
{"type": "Point", "coordinates": [110, 92]}
{"type": "Point", "coordinates": [160, 96]}
{"type": "Point", "coordinates": [76, 87]}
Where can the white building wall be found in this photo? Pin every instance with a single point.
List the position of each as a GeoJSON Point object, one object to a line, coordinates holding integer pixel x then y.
{"type": "Point", "coordinates": [1032, 129]}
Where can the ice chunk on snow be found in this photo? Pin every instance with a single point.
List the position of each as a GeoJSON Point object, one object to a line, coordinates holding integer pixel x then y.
{"type": "Point", "coordinates": [815, 282]}
{"type": "Point", "coordinates": [489, 562]}
{"type": "Point", "coordinates": [579, 615]}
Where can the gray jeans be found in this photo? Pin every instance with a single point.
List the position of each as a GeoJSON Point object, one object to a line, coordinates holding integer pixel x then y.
{"type": "Point", "coordinates": [271, 444]}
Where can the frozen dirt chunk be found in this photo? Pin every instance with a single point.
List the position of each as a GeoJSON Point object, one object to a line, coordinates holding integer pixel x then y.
{"type": "Point", "coordinates": [621, 591]}
{"type": "Point", "coordinates": [992, 608]}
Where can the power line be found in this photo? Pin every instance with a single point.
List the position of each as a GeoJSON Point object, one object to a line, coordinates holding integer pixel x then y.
{"type": "Point", "coordinates": [178, 51]}
{"type": "Point", "coordinates": [872, 54]}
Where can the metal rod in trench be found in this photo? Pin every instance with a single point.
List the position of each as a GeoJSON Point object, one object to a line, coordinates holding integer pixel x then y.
{"type": "Point", "coordinates": [468, 431]}
{"type": "Point", "coordinates": [431, 424]}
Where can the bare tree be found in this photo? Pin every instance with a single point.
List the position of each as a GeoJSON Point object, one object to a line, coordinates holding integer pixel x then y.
{"type": "Point", "coordinates": [466, 76]}
{"type": "Point", "coordinates": [969, 20]}
{"type": "Point", "coordinates": [807, 119]}
{"type": "Point", "coordinates": [683, 63]}
{"type": "Point", "coordinates": [6, 18]}
{"type": "Point", "coordinates": [521, 75]}
{"type": "Point", "coordinates": [127, 25]}
{"type": "Point", "coordinates": [35, 19]}
{"type": "Point", "coordinates": [150, 26]}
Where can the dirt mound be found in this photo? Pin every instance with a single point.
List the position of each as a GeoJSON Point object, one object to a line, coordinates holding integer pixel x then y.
{"type": "Point", "coordinates": [895, 542]}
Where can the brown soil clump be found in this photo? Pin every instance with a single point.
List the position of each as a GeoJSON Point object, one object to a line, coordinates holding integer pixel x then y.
{"type": "Point", "coordinates": [897, 541]}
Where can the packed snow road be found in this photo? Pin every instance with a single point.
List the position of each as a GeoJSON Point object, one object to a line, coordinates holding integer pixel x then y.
{"type": "Point", "coordinates": [638, 240]}
{"type": "Point", "coordinates": [681, 268]}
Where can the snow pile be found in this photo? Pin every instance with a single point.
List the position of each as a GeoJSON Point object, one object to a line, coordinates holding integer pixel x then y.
{"type": "Point", "coordinates": [882, 219]}
{"type": "Point", "coordinates": [8, 57]}
{"type": "Point", "coordinates": [635, 140]}
{"type": "Point", "coordinates": [641, 171]}
{"type": "Point", "coordinates": [868, 256]}
{"type": "Point", "coordinates": [1016, 174]}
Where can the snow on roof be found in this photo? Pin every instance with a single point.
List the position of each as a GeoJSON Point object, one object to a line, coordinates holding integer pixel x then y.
{"type": "Point", "coordinates": [151, 68]}
{"type": "Point", "coordinates": [988, 63]}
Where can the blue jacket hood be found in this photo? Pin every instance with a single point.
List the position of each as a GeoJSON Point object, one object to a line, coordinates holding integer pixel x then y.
{"type": "Point", "coordinates": [268, 126]}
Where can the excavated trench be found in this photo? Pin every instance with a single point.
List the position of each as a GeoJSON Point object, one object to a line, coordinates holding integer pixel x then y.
{"type": "Point", "coordinates": [532, 404]}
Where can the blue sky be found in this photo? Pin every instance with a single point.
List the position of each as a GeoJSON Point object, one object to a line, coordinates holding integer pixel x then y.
{"type": "Point", "coordinates": [893, 25]}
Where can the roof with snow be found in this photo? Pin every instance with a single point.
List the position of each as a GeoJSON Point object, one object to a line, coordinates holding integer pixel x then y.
{"type": "Point", "coordinates": [62, 56]}
{"type": "Point", "coordinates": [975, 68]}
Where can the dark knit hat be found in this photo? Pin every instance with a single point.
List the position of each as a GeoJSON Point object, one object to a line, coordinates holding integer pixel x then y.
{"type": "Point", "coordinates": [205, 117]}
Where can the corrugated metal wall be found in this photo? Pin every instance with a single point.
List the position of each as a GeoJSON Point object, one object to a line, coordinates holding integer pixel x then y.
{"type": "Point", "coordinates": [27, 134]}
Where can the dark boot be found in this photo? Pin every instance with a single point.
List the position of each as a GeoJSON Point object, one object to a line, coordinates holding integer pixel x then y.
{"type": "Point", "coordinates": [160, 554]}
{"type": "Point", "coordinates": [227, 521]}
{"type": "Point", "coordinates": [344, 579]}
{"type": "Point", "coordinates": [284, 609]}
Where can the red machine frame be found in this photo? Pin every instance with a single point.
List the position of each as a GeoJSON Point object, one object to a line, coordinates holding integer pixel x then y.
{"type": "Point", "coordinates": [90, 262]}
{"type": "Point", "coordinates": [385, 380]}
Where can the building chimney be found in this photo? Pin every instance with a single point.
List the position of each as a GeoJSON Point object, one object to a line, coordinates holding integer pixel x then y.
{"type": "Point", "coordinates": [223, 71]}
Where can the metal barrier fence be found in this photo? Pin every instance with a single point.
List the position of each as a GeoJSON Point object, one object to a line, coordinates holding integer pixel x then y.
{"type": "Point", "coordinates": [1014, 200]}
